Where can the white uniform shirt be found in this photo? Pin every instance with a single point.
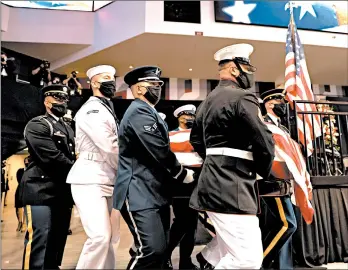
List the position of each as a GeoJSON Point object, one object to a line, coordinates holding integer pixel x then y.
{"type": "Point", "coordinates": [96, 144]}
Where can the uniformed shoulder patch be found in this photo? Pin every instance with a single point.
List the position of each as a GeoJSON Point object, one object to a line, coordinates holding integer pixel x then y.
{"type": "Point", "coordinates": [152, 128]}
{"type": "Point", "coordinates": [93, 111]}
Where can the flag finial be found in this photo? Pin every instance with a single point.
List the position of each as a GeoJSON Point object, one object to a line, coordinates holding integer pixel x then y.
{"type": "Point", "coordinates": [290, 5]}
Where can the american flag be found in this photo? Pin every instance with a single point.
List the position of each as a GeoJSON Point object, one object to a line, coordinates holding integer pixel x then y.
{"type": "Point", "coordinates": [298, 87]}
{"type": "Point", "coordinates": [290, 164]}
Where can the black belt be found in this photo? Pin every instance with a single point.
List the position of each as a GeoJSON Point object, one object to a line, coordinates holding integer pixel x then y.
{"type": "Point", "coordinates": [274, 188]}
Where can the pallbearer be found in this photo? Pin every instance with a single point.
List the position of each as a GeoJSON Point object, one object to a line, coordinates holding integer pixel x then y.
{"type": "Point", "coordinates": [185, 223]}
{"type": "Point", "coordinates": [146, 170]}
{"type": "Point", "coordinates": [92, 177]}
{"type": "Point", "coordinates": [43, 190]}
{"type": "Point", "coordinates": [237, 147]}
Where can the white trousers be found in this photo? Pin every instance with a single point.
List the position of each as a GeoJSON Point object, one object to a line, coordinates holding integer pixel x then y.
{"type": "Point", "coordinates": [211, 252]}
{"type": "Point", "coordinates": [238, 241]}
{"type": "Point", "coordinates": [101, 224]}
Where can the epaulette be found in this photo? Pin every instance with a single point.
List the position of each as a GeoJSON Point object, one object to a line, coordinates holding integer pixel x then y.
{"type": "Point", "coordinates": [41, 117]}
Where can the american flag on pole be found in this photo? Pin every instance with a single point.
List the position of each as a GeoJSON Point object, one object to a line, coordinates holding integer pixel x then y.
{"type": "Point", "coordinates": [298, 87]}
{"type": "Point", "coordinates": [289, 163]}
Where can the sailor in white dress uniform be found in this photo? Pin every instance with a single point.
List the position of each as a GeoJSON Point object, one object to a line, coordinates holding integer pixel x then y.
{"type": "Point", "coordinates": [92, 177]}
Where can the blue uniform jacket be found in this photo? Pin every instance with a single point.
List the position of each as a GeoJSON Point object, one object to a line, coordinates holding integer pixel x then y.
{"type": "Point", "coordinates": [146, 166]}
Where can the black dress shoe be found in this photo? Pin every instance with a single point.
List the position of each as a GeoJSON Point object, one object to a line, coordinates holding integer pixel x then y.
{"type": "Point", "coordinates": [203, 263]}
{"type": "Point", "coordinates": [168, 265]}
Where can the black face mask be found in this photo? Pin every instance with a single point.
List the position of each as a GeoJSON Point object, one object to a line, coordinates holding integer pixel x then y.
{"type": "Point", "coordinates": [59, 110]}
{"type": "Point", "coordinates": [153, 94]}
{"type": "Point", "coordinates": [245, 80]}
{"type": "Point", "coordinates": [279, 109]}
{"type": "Point", "coordinates": [108, 88]}
{"type": "Point", "coordinates": [189, 123]}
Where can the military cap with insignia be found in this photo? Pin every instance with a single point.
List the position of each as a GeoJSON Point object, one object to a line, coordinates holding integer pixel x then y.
{"type": "Point", "coordinates": [238, 53]}
{"type": "Point", "coordinates": [188, 109]}
{"type": "Point", "coordinates": [145, 73]}
{"type": "Point", "coordinates": [268, 95]}
{"type": "Point", "coordinates": [57, 91]}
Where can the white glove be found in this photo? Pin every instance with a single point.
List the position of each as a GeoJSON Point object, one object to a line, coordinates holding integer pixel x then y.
{"type": "Point", "coordinates": [189, 176]}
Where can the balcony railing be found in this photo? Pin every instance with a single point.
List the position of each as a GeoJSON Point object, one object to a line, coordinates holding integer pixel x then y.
{"type": "Point", "coordinates": [329, 158]}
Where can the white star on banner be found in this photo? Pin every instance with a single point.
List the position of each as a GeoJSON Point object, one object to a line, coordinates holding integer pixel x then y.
{"type": "Point", "coordinates": [239, 11]}
{"type": "Point", "coordinates": [306, 6]}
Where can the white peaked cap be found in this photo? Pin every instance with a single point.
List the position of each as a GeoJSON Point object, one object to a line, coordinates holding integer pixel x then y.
{"type": "Point", "coordinates": [163, 116]}
{"type": "Point", "coordinates": [189, 108]}
{"type": "Point", "coordinates": [100, 69]}
{"type": "Point", "coordinates": [233, 51]}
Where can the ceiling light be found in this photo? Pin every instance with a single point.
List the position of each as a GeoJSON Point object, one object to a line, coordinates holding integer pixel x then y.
{"type": "Point", "coordinates": [130, 67]}
{"type": "Point", "coordinates": [190, 69]}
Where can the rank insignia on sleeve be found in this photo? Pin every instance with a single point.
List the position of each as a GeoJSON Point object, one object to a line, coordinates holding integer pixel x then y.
{"type": "Point", "coordinates": [151, 128]}
{"type": "Point", "coordinates": [93, 111]}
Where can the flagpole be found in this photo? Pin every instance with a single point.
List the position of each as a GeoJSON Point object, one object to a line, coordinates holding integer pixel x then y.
{"type": "Point", "coordinates": [290, 5]}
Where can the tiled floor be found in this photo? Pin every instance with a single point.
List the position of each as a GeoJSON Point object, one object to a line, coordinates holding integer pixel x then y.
{"type": "Point", "coordinates": [12, 244]}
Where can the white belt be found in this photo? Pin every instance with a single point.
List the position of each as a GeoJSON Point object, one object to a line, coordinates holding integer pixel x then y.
{"type": "Point", "coordinates": [231, 152]}
{"type": "Point", "coordinates": [91, 156]}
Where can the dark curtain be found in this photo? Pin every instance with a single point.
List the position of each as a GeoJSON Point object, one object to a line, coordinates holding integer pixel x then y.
{"type": "Point", "coordinates": [326, 239]}
{"type": "Point", "coordinates": [19, 104]}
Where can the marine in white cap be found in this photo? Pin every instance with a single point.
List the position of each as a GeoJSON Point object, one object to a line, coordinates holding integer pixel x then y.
{"type": "Point", "coordinates": [184, 225]}
{"type": "Point", "coordinates": [93, 175]}
{"type": "Point", "coordinates": [238, 149]}
{"type": "Point", "coordinates": [234, 61]}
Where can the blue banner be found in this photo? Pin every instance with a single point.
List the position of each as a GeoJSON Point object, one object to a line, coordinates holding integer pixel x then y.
{"type": "Point", "coordinates": [310, 15]}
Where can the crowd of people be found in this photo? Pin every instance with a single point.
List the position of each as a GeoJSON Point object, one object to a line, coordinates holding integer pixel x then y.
{"type": "Point", "coordinates": [40, 76]}
{"type": "Point", "coordinates": [218, 162]}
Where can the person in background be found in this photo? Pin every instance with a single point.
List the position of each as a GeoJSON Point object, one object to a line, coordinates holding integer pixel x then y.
{"type": "Point", "coordinates": [43, 190]}
{"type": "Point", "coordinates": [56, 80]}
{"type": "Point", "coordinates": [74, 84]}
{"type": "Point", "coordinates": [18, 204]}
{"type": "Point", "coordinates": [7, 181]}
{"type": "Point", "coordinates": [184, 225]}
{"type": "Point", "coordinates": [8, 66]}
{"type": "Point", "coordinates": [3, 181]}
{"type": "Point", "coordinates": [41, 75]}
{"type": "Point", "coordinates": [2, 185]}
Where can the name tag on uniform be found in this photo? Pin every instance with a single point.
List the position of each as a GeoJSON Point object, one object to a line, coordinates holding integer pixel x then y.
{"type": "Point", "coordinates": [93, 111]}
{"type": "Point", "coordinates": [58, 133]}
